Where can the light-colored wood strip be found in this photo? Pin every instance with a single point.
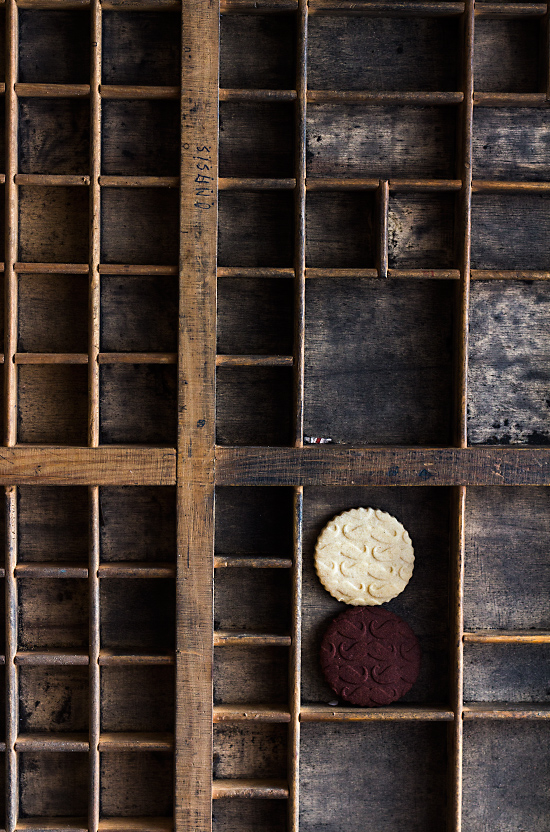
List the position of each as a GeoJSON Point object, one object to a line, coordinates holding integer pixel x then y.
{"type": "Point", "coordinates": [341, 465]}
{"type": "Point", "coordinates": [52, 824]}
{"type": "Point", "coordinates": [130, 92]}
{"type": "Point", "coordinates": [316, 273]}
{"type": "Point", "coordinates": [50, 358]}
{"type": "Point", "coordinates": [395, 185]}
{"type": "Point", "coordinates": [52, 742]}
{"type": "Point", "coordinates": [50, 570]}
{"type": "Point", "coordinates": [267, 789]}
{"type": "Point", "coordinates": [244, 184]}
{"type": "Point", "coordinates": [493, 274]}
{"type": "Point", "coordinates": [257, 6]}
{"type": "Point", "coordinates": [238, 95]}
{"type": "Point", "coordinates": [50, 179]}
{"type": "Point", "coordinates": [397, 7]}
{"type": "Point", "coordinates": [94, 676]}
{"type": "Point", "coordinates": [507, 710]}
{"type": "Point", "coordinates": [224, 638]}
{"type": "Point", "coordinates": [52, 90]}
{"type": "Point", "coordinates": [136, 741]}
{"type": "Point", "coordinates": [251, 562]}
{"type": "Point", "coordinates": [139, 181]}
{"type": "Point", "coordinates": [508, 10]}
{"type": "Point", "coordinates": [142, 5]}
{"type": "Point", "coordinates": [508, 637]}
{"type": "Point", "coordinates": [368, 97]}
{"type": "Point", "coordinates": [136, 825]}
{"type": "Point", "coordinates": [137, 358]}
{"type": "Point", "coordinates": [383, 201]}
{"type": "Point", "coordinates": [254, 361]}
{"type": "Point", "coordinates": [393, 713]}
{"type": "Point", "coordinates": [12, 227]}
{"type": "Point", "coordinates": [250, 713]}
{"type": "Point", "coordinates": [94, 287]}
{"type": "Point", "coordinates": [137, 570]}
{"type": "Point", "coordinates": [300, 230]}
{"type": "Point", "coordinates": [12, 681]}
{"type": "Point", "coordinates": [256, 271]}
{"type": "Point", "coordinates": [40, 658]}
{"type": "Point", "coordinates": [52, 268]}
{"type": "Point", "coordinates": [295, 659]}
{"type": "Point", "coordinates": [121, 657]}
{"type": "Point", "coordinates": [196, 418]}
{"type": "Point", "coordinates": [509, 99]}
{"type": "Point", "coordinates": [66, 5]}
{"type": "Point", "coordinates": [489, 186]}
{"type": "Point", "coordinates": [424, 274]}
{"type": "Point", "coordinates": [87, 466]}
{"type": "Point", "coordinates": [123, 269]}
{"type": "Point", "coordinates": [457, 656]}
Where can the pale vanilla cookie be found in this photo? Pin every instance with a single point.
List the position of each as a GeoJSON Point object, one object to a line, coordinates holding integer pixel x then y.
{"type": "Point", "coordinates": [364, 557]}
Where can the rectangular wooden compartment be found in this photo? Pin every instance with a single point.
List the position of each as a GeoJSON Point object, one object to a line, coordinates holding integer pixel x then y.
{"type": "Point", "coordinates": [263, 263]}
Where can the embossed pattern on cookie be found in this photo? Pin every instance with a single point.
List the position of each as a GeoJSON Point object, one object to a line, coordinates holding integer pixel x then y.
{"type": "Point", "coordinates": [364, 557]}
{"type": "Point", "coordinates": [370, 657]}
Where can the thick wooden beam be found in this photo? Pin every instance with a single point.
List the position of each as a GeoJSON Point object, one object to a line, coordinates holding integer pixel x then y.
{"type": "Point", "coordinates": [87, 466]}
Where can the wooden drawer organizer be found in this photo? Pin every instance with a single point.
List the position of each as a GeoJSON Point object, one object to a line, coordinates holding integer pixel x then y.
{"type": "Point", "coordinates": [371, 268]}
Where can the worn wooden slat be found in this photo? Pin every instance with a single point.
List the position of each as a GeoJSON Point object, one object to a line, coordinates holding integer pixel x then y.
{"type": "Point", "coordinates": [508, 637]}
{"type": "Point", "coordinates": [255, 713]}
{"type": "Point", "coordinates": [268, 789]}
{"type": "Point", "coordinates": [327, 713]}
{"type": "Point", "coordinates": [340, 465]}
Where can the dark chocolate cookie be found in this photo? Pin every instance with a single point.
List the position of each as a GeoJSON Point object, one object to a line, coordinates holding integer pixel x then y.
{"type": "Point", "coordinates": [370, 656]}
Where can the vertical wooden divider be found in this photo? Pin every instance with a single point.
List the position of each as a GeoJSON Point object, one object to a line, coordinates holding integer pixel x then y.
{"type": "Point", "coordinates": [299, 355]}
{"type": "Point", "coordinates": [383, 200]}
{"type": "Point", "coordinates": [93, 412]}
{"type": "Point", "coordinates": [196, 415]}
{"type": "Point", "coordinates": [461, 417]}
{"type": "Point", "coordinates": [12, 700]}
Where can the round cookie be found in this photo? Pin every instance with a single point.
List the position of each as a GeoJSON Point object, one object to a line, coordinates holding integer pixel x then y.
{"type": "Point", "coordinates": [370, 657]}
{"type": "Point", "coordinates": [364, 557]}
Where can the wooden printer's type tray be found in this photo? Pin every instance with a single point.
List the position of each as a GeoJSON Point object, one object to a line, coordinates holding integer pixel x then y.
{"type": "Point", "coordinates": [230, 234]}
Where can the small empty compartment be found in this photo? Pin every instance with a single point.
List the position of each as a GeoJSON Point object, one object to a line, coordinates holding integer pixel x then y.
{"type": "Point", "coordinates": [136, 784]}
{"type": "Point", "coordinates": [54, 135]}
{"type": "Point", "coordinates": [250, 675]}
{"type": "Point", "coordinates": [268, 41]}
{"type": "Point", "coordinates": [511, 144]}
{"type": "Point", "coordinates": [424, 603]}
{"type": "Point", "coordinates": [389, 776]}
{"type": "Point", "coordinates": [365, 53]}
{"type": "Point", "coordinates": [248, 815]}
{"type": "Point", "coordinates": [421, 231]}
{"type": "Point", "coordinates": [140, 226]}
{"type": "Point", "coordinates": [139, 314]}
{"type": "Point", "coordinates": [340, 230]}
{"type": "Point", "coordinates": [52, 524]}
{"type": "Point", "coordinates": [141, 48]}
{"type": "Point", "coordinates": [53, 699]}
{"type": "Point", "coordinates": [256, 228]}
{"type": "Point", "coordinates": [53, 313]}
{"type": "Point", "coordinates": [508, 55]}
{"type": "Point", "coordinates": [140, 138]}
{"type": "Point", "coordinates": [510, 232]}
{"type": "Point", "coordinates": [254, 521]}
{"type": "Point", "coordinates": [253, 405]}
{"type": "Point", "coordinates": [53, 785]}
{"type": "Point", "coordinates": [52, 612]}
{"type": "Point", "coordinates": [139, 698]}
{"type": "Point", "coordinates": [54, 46]}
{"type": "Point", "coordinates": [378, 361]}
{"type": "Point", "coordinates": [255, 316]}
{"type": "Point", "coordinates": [252, 600]}
{"type": "Point", "coordinates": [507, 673]}
{"type": "Point", "coordinates": [247, 750]}
{"type": "Point", "coordinates": [53, 404]}
{"type": "Point", "coordinates": [257, 139]}
{"type": "Point", "coordinates": [508, 364]}
{"type": "Point", "coordinates": [507, 573]}
{"type": "Point", "coordinates": [505, 775]}
{"type": "Point", "coordinates": [53, 224]}
{"type": "Point", "coordinates": [137, 614]}
{"type": "Point", "coordinates": [138, 404]}
{"type": "Point", "coordinates": [137, 523]}
{"type": "Point", "coordinates": [381, 141]}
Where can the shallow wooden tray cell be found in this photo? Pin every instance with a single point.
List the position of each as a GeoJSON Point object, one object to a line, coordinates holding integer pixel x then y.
{"type": "Point", "coordinates": [250, 675]}
{"type": "Point", "coordinates": [53, 700]}
{"type": "Point", "coordinates": [255, 316]}
{"type": "Point", "coordinates": [386, 54]}
{"type": "Point", "coordinates": [137, 699]}
{"type": "Point", "coordinates": [424, 604]}
{"type": "Point", "coordinates": [53, 224]}
{"type": "Point", "coordinates": [141, 48]}
{"type": "Point", "coordinates": [54, 136]}
{"type": "Point", "coordinates": [524, 221]}
{"type": "Point", "coordinates": [139, 226]}
{"type": "Point", "coordinates": [421, 231]}
{"type": "Point", "coordinates": [52, 613]}
{"type": "Point", "coordinates": [269, 44]}
{"type": "Point", "coordinates": [139, 314]}
{"type": "Point", "coordinates": [249, 815]}
{"type": "Point", "coordinates": [136, 784]}
{"type": "Point", "coordinates": [509, 345]}
{"type": "Point", "coordinates": [53, 404]}
{"type": "Point", "coordinates": [137, 404]}
{"type": "Point", "coordinates": [253, 522]}
{"type": "Point", "coordinates": [137, 614]}
{"type": "Point", "coordinates": [392, 776]}
{"type": "Point", "coordinates": [256, 139]}
{"type": "Point", "coordinates": [137, 524]}
{"type": "Point", "coordinates": [250, 751]}
{"type": "Point", "coordinates": [255, 229]}
{"type": "Point", "coordinates": [140, 138]}
{"type": "Point", "coordinates": [509, 56]}
{"type": "Point", "coordinates": [254, 405]}
{"type": "Point", "coordinates": [511, 144]}
{"type": "Point", "coordinates": [53, 525]}
{"type": "Point", "coordinates": [340, 230]}
{"type": "Point", "coordinates": [378, 361]}
{"type": "Point", "coordinates": [53, 313]}
{"type": "Point", "coordinates": [256, 600]}
{"type": "Point", "coordinates": [494, 799]}
{"type": "Point", "coordinates": [510, 673]}
{"type": "Point", "coordinates": [53, 785]}
{"type": "Point", "coordinates": [54, 46]}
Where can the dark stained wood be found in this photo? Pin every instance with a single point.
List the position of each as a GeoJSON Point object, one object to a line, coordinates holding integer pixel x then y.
{"type": "Point", "coordinates": [506, 673]}
{"type": "Point", "coordinates": [54, 136]}
{"type": "Point", "coordinates": [149, 219]}
{"type": "Point", "coordinates": [130, 146]}
{"type": "Point", "coordinates": [53, 311]}
{"type": "Point", "coordinates": [256, 139]}
{"type": "Point", "coordinates": [139, 698]}
{"type": "Point", "coordinates": [522, 220]}
{"type": "Point", "coordinates": [269, 44]}
{"type": "Point", "coordinates": [242, 750]}
{"type": "Point", "coordinates": [52, 524]}
{"type": "Point", "coordinates": [249, 815]}
{"type": "Point", "coordinates": [507, 56]}
{"type": "Point", "coordinates": [137, 404]}
{"type": "Point", "coordinates": [252, 599]}
{"type": "Point", "coordinates": [257, 675]}
{"type": "Point", "coordinates": [511, 144]}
